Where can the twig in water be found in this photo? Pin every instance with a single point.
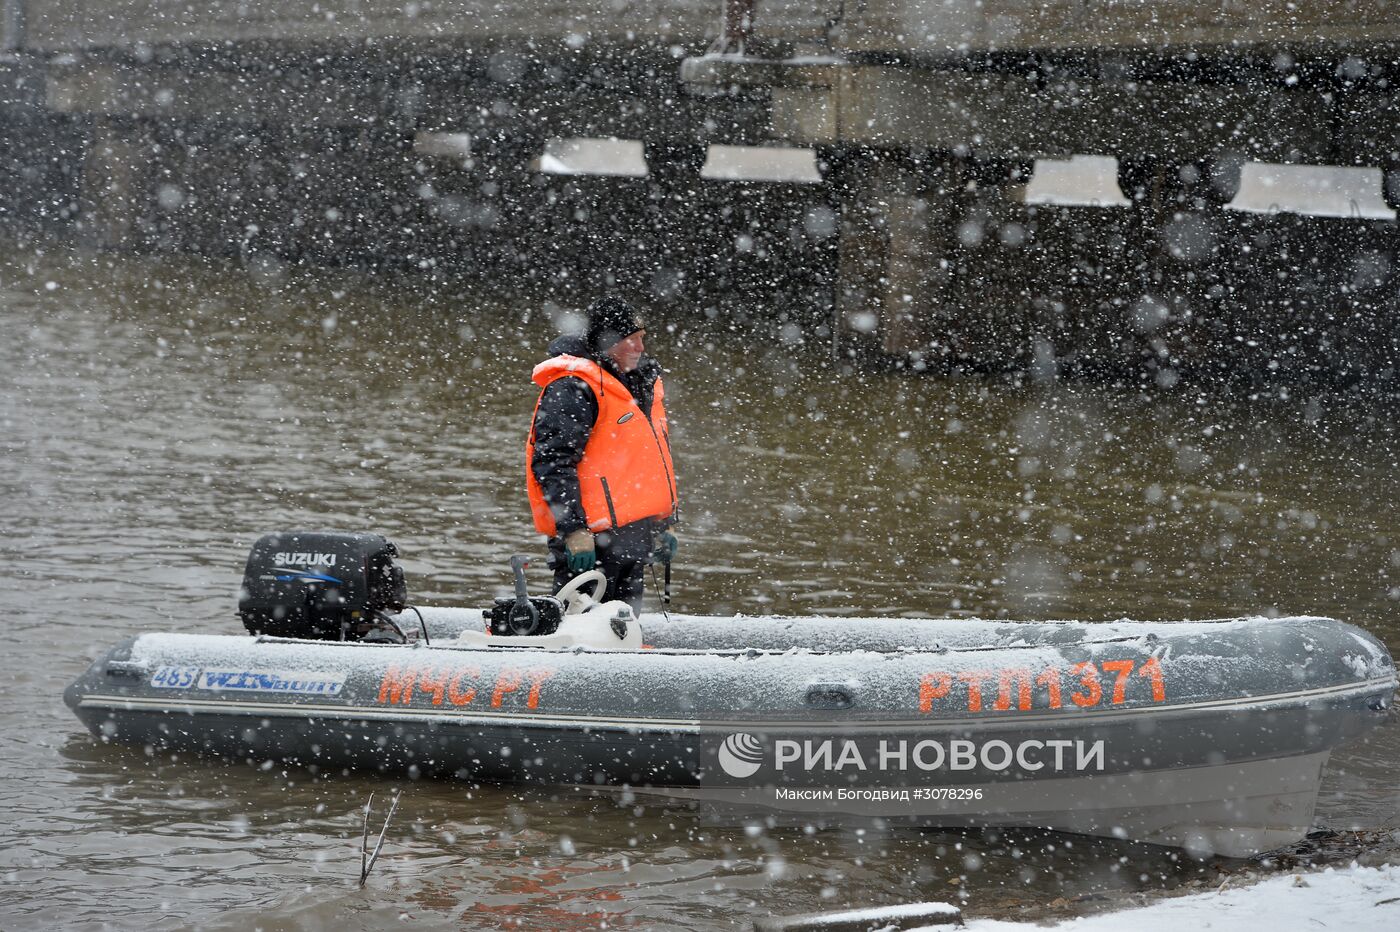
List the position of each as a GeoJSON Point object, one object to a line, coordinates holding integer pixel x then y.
{"type": "Point", "coordinates": [364, 843]}
{"type": "Point", "coordinates": [367, 858]}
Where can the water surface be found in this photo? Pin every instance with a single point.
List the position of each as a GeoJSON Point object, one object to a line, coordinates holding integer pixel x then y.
{"type": "Point", "coordinates": [157, 415]}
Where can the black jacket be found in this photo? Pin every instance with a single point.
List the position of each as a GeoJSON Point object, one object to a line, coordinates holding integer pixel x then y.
{"type": "Point", "coordinates": [564, 421]}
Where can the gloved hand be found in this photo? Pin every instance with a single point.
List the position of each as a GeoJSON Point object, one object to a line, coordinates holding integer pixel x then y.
{"type": "Point", "coordinates": [664, 548]}
{"type": "Point", "coordinates": [578, 549]}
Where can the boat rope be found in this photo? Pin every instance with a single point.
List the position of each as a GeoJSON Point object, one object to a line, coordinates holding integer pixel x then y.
{"type": "Point", "coordinates": [423, 625]}
{"type": "Point", "coordinates": [663, 594]}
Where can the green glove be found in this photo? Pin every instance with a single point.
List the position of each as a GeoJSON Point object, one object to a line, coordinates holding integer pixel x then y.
{"type": "Point", "coordinates": [665, 548]}
{"type": "Point", "coordinates": [578, 550]}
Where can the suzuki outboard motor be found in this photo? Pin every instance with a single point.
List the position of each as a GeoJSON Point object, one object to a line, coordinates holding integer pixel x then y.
{"type": "Point", "coordinates": [328, 586]}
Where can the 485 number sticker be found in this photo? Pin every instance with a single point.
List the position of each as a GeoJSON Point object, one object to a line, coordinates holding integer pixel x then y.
{"type": "Point", "coordinates": [175, 677]}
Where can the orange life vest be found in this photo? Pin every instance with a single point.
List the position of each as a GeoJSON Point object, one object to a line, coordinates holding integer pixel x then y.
{"type": "Point", "coordinates": [625, 474]}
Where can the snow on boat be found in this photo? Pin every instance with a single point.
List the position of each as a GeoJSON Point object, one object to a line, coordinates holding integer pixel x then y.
{"type": "Point", "coordinates": [1206, 735]}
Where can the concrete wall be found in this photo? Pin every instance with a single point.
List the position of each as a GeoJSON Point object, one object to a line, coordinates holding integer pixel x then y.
{"type": "Point", "coordinates": [943, 26]}
{"type": "Point", "coordinates": [934, 26]}
{"type": "Point", "coordinates": [77, 24]}
{"type": "Point", "coordinates": [1106, 292]}
{"type": "Point", "coordinates": [288, 130]}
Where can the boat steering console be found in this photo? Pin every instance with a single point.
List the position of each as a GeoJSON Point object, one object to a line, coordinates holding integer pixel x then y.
{"type": "Point", "coordinates": [574, 616]}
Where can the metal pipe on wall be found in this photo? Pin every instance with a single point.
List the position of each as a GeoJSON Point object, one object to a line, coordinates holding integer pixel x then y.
{"type": "Point", "coordinates": [12, 25]}
{"type": "Point", "coordinates": [735, 28]}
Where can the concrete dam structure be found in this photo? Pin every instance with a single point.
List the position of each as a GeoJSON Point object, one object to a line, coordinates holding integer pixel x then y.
{"type": "Point", "coordinates": [928, 117]}
{"type": "Point", "coordinates": [357, 130]}
{"type": "Point", "coordinates": [253, 109]}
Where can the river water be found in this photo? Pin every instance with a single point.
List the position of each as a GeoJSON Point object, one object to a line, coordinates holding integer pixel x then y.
{"type": "Point", "coordinates": [157, 415]}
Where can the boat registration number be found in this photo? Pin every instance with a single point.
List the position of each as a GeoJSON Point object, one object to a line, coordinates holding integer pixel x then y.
{"type": "Point", "coordinates": [1088, 684]}
{"type": "Point", "coordinates": [170, 677]}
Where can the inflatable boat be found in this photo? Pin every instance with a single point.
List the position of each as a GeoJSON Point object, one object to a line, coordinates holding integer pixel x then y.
{"type": "Point", "coordinates": [1209, 735]}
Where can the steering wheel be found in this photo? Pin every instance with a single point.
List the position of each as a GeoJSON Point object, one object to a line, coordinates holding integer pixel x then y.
{"type": "Point", "coordinates": [575, 600]}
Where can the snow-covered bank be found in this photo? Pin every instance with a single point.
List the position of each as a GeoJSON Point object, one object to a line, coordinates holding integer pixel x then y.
{"type": "Point", "coordinates": [1356, 898]}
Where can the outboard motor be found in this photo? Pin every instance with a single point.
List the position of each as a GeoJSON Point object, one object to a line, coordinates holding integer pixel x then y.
{"type": "Point", "coordinates": [327, 586]}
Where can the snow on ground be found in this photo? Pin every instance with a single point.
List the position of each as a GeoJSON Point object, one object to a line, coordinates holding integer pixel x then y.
{"type": "Point", "coordinates": [1357, 899]}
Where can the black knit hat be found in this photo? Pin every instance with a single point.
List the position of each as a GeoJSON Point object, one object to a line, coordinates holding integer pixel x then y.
{"type": "Point", "coordinates": [610, 320]}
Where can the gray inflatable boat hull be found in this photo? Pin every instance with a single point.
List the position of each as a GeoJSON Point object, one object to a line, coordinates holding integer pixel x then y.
{"type": "Point", "coordinates": [1206, 735]}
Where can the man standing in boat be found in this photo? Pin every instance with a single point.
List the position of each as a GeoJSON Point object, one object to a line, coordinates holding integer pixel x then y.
{"type": "Point", "coordinates": [598, 458]}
